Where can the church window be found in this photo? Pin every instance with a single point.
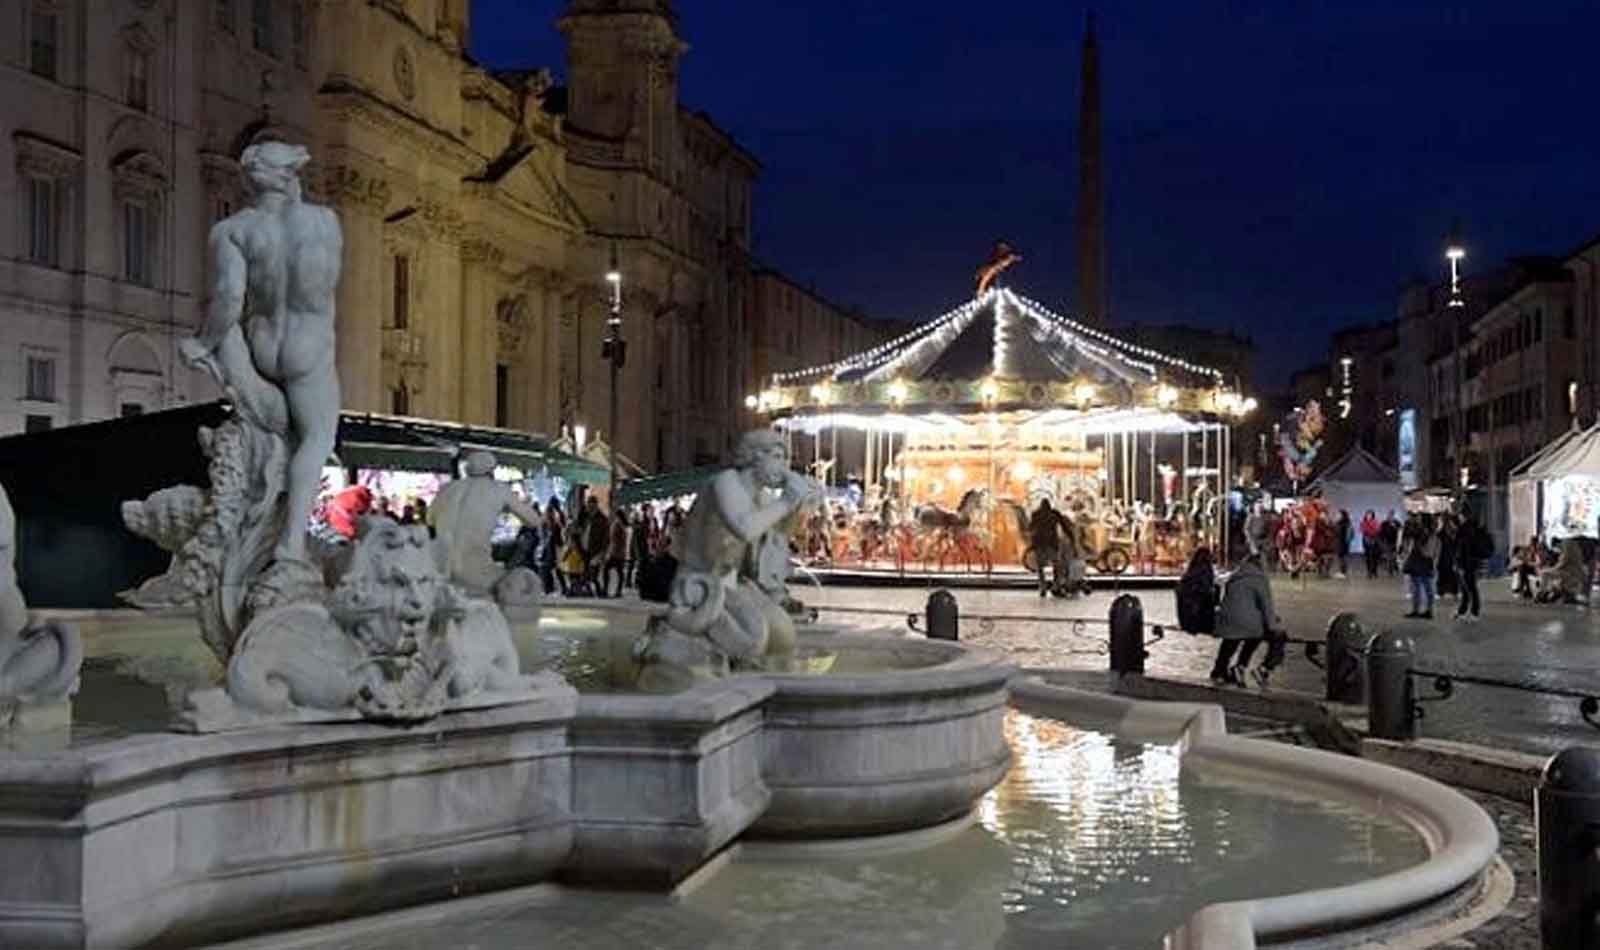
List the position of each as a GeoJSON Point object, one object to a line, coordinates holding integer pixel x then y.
{"type": "Point", "coordinates": [261, 26]}
{"type": "Point", "coordinates": [402, 292]}
{"type": "Point", "coordinates": [44, 31]}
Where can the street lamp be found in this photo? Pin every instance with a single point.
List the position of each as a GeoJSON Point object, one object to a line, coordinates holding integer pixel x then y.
{"type": "Point", "coordinates": [1455, 252]}
{"type": "Point", "coordinates": [614, 350]}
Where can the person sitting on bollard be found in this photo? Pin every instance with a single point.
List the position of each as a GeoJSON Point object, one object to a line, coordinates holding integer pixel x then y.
{"type": "Point", "coordinates": [1197, 595]}
{"type": "Point", "coordinates": [1246, 619]}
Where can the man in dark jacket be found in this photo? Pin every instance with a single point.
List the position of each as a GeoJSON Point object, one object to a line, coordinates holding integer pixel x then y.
{"type": "Point", "coordinates": [1044, 533]}
{"type": "Point", "coordinates": [596, 538]}
{"type": "Point", "coordinates": [1474, 545]}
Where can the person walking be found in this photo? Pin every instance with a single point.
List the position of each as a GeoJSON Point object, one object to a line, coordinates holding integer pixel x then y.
{"type": "Point", "coordinates": [1371, 542]}
{"type": "Point", "coordinates": [551, 540]}
{"type": "Point", "coordinates": [1255, 529]}
{"type": "Point", "coordinates": [1473, 546]}
{"type": "Point", "coordinates": [1389, 532]}
{"type": "Point", "coordinates": [1245, 619]}
{"type": "Point", "coordinates": [1044, 532]}
{"type": "Point", "coordinates": [1344, 533]}
{"type": "Point", "coordinates": [616, 555]}
{"type": "Point", "coordinates": [1419, 552]}
{"type": "Point", "coordinates": [594, 537]}
{"type": "Point", "coordinates": [1449, 581]}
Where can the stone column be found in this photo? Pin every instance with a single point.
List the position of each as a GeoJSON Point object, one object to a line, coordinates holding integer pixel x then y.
{"type": "Point", "coordinates": [360, 200]}
{"type": "Point", "coordinates": [549, 358]}
{"type": "Point", "coordinates": [477, 331]}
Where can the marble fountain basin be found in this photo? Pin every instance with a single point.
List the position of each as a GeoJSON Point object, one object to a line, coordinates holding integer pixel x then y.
{"type": "Point", "coordinates": [119, 833]}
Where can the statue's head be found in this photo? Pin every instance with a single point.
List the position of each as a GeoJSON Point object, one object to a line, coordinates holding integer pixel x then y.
{"type": "Point", "coordinates": [479, 464]}
{"type": "Point", "coordinates": [394, 586]}
{"type": "Point", "coordinates": [274, 166]}
{"type": "Point", "coordinates": [762, 452]}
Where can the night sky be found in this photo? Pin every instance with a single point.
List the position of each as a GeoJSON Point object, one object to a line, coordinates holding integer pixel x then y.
{"type": "Point", "coordinates": [1277, 168]}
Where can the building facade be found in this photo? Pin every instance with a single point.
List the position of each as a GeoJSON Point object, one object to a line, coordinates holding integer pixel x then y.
{"type": "Point", "coordinates": [797, 328]}
{"type": "Point", "coordinates": [482, 211]}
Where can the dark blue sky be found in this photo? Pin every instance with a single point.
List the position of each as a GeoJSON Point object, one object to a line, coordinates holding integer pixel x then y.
{"type": "Point", "coordinates": [1277, 168]}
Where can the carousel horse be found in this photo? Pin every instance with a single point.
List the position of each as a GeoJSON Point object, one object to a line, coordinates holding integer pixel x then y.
{"type": "Point", "coordinates": [961, 532]}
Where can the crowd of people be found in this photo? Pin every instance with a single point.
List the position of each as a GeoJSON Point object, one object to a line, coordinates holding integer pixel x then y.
{"type": "Point", "coordinates": [596, 553]}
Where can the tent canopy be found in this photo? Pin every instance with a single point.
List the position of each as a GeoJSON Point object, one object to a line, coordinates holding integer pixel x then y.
{"type": "Point", "coordinates": [1576, 453]}
{"type": "Point", "coordinates": [1357, 466]}
{"type": "Point", "coordinates": [377, 441]}
{"type": "Point", "coordinates": [1525, 467]}
{"type": "Point", "coordinates": [667, 485]}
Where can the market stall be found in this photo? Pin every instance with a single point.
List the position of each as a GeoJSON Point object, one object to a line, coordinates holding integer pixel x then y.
{"type": "Point", "coordinates": [1556, 492]}
{"type": "Point", "coordinates": [1359, 482]}
{"type": "Point", "coordinates": [955, 432]}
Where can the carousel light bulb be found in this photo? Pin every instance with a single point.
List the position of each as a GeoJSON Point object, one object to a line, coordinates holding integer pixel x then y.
{"type": "Point", "coordinates": [897, 391]}
{"type": "Point", "coordinates": [990, 390]}
{"type": "Point", "coordinates": [1022, 470]}
{"type": "Point", "coordinates": [956, 475]}
{"type": "Point", "coordinates": [751, 402]}
{"type": "Point", "coordinates": [1249, 405]}
{"type": "Point", "coordinates": [770, 397]}
{"type": "Point", "coordinates": [1166, 395]}
{"type": "Point", "coordinates": [1084, 392]}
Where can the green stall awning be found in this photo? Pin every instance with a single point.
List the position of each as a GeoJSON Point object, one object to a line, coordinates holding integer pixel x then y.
{"type": "Point", "coordinates": [420, 445]}
{"type": "Point", "coordinates": [666, 485]}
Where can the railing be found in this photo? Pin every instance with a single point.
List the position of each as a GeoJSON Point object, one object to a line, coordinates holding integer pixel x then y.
{"type": "Point", "coordinates": [1444, 687]}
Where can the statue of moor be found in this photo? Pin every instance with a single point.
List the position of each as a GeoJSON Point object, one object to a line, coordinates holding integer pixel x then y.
{"type": "Point", "coordinates": [269, 327]}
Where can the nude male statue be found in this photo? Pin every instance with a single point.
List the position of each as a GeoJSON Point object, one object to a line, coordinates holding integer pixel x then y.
{"type": "Point", "coordinates": [465, 513]}
{"type": "Point", "coordinates": [724, 535]}
{"type": "Point", "coordinates": [269, 326]}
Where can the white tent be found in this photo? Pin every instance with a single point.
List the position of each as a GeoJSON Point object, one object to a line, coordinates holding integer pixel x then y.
{"type": "Point", "coordinates": [1359, 482]}
{"type": "Point", "coordinates": [1556, 493]}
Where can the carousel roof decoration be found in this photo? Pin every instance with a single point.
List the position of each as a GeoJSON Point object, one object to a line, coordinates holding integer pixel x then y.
{"type": "Point", "coordinates": [1002, 351]}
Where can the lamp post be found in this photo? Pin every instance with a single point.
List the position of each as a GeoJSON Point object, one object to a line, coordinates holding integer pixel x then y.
{"type": "Point", "coordinates": [1454, 252]}
{"type": "Point", "coordinates": [614, 350]}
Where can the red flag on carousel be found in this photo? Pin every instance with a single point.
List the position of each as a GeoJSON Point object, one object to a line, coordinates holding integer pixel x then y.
{"type": "Point", "coordinates": [1002, 257]}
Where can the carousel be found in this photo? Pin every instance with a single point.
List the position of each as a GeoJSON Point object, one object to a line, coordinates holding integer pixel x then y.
{"type": "Point", "coordinates": [937, 447]}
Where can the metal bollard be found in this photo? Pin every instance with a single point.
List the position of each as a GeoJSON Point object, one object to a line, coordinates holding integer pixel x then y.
{"type": "Point", "coordinates": [1346, 672]}
{"type": "Point", "coordinates": [1390, 707]}
{"type": "Point", "coordinates": [944, 616]}
{"type": "Point", "coordinates": [1566, 810]}
{"type": "Point", "coordinates": [1127, 635]}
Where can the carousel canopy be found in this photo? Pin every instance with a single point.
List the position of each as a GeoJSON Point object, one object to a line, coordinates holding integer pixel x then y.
{"type": "Point", "coordinates": [1001, 351]}
{"type": "Point", "coordinates": [1002, 335]}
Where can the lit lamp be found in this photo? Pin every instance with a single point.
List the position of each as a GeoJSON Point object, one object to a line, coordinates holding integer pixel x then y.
{"type": "Point", "coordinates": [990, 391]}
{"type": "Point", "coordinates": [1455, 253]}
{"type": "Point", "coordinates": [1166, 396]}
{"type": "Point", "coordinates": [897, 392]}
{"type": "Point", "coordinates": [820, 393]}
{"type": "Point", "coordinates": [956, 475]}
{"type": "Point", "coordinates": [614, 350]}
{"type": "Point", "coordinates": [1022, 471]}
{"type": "Point", "coordinates": [1084, 392]}
{"type": "Point", "coordinates": [751, 403]}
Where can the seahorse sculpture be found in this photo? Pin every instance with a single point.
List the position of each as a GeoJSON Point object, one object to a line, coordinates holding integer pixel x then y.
{"type": "Point", "coordinates": [38, 664]}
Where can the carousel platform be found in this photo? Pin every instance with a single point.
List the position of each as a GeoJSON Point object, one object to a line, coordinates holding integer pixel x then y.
{"type": "Point", "coordinates": [1000, 578]}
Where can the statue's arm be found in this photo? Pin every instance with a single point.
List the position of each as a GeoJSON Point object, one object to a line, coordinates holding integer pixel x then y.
{"type": "Point", "coordinates": [225, 303]}
{"type": "Point", "coordinates": [739, 511]}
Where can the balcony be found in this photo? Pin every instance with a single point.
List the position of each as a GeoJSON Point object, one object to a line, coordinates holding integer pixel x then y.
{"type": "Point", "coordinates": [404, 346]}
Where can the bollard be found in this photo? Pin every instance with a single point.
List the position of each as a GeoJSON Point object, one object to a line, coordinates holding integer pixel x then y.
{"type": "Point", "coordinates": [944, 616]}
{"type": "Point", "coordinates": [1390, 709]}
{"type": "Point", "coordinates": [1566, 810]}
{"type": "Point", "coordinates": [1127, 635]}
{"type": "Point", "coordinates": [1346, 673]}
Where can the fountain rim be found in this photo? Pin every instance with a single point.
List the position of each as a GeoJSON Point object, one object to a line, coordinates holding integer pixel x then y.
{"type": "Point", "coordinates": [1462, 840]}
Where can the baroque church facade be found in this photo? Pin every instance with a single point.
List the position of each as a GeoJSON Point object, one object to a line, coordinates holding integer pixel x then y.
{"type": "Point", "coordinates": [481, 211]}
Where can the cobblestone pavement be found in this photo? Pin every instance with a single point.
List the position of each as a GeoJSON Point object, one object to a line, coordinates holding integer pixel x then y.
{"type": "Point", "coordinates": [1549, 646]}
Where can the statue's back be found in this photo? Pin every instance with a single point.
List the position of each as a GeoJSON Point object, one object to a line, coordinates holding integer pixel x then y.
{"type": "Point", "coordinates": [315, 249]}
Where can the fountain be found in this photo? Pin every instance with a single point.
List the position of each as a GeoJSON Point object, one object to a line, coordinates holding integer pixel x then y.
{"type": "Point", "coordinates": [294, 737]}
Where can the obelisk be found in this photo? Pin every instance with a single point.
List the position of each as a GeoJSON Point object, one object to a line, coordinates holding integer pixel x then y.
{"type": "Point", "coordinates": [1091, 189]}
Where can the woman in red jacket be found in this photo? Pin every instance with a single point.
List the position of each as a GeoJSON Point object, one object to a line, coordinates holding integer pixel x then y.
{"type": "Point", "coordinates": [1371, 541]}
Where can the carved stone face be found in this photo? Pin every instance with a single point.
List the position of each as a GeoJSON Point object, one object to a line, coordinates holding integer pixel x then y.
{"type": "Point", "coordinates": [393, 589]}
{"type": "Point", "coordinates": [771, 466]}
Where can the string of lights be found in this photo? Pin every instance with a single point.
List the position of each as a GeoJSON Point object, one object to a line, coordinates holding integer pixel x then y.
{"type": "Point", "coordinates": [938, 340]}
{"type": "Point", "coordinates": [1114, 342]}
{"type": "Point", "coordinates": [882, 351]}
